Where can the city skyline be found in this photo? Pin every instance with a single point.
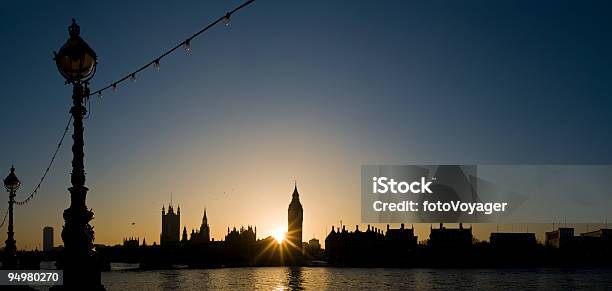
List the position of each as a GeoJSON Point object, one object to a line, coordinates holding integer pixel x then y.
{"type": "Point", "coordinates": [277, 97]}
{"type": "Point", "coordinates": [481, 231]}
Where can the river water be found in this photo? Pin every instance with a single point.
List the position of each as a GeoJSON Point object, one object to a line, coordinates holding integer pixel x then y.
{"type": "Point", "coordinates": [323, 278]}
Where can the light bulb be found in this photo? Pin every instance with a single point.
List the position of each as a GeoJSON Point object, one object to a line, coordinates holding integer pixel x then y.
{"type": "Point", "coordinates": [114, 87]}
{"type": "Point", "coordinates": [226, 19]}
{"type": "Point", "coordinates": [187, 45]}
{"type": "Point", "coordinates": [133, 77]}
{"type": "Point", "coordinates": [99, 94]}
{"type": "Point", "coordinates": [156, 65]}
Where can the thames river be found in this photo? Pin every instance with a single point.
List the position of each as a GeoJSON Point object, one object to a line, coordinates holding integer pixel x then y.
{"type": "Point", "coordinates": [324, 278]}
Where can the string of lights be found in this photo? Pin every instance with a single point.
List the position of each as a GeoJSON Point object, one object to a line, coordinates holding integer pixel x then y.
{"type": "Point", "coordinates": [59, 145]}
{"type": "Point", "coordinates": [156, 62]}
{"type": "Point", "coordinates": [186, 45]}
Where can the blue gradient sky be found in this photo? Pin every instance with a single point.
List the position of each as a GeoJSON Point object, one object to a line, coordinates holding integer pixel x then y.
{"type": "Point", "coordinates": [306, 90]}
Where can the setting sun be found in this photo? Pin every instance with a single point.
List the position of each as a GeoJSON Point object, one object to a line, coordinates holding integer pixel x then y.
{"type": "Point", "coordinates": [279, 236]}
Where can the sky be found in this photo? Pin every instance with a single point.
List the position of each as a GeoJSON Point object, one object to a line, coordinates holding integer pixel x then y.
{"type": "Point", "coordinates": [294, 90]}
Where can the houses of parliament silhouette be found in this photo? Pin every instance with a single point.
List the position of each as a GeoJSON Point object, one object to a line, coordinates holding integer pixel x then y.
{"type": "Point", "coordinates": [240, 246]}
{"type": "Point", "coordinates": [171, 225]}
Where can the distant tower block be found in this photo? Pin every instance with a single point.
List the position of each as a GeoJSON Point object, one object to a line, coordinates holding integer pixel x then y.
{"type": "Point", "coordinates": [294, 222]}
{"type": "Point", "coordinates": [47, 238]}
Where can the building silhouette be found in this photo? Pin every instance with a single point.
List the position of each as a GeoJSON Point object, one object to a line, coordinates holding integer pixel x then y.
{"type": "Point", "coordinates": [603, 234]}
{"type": "Point", "coordinates": [184, 237]}
{"type": "Point", "coordinates": [203, 234]}
{"type": "Point", "coordinates": [171, 226]}
{"type": "Point", "coordinates": [47, 238]}
{"type": "Point", "coordinates": [450, 238]}
{"type": "Point", "coordinates": [401, 238]}
{"type": "Point", "coordinates": [131, 242]}
{"type": "Point", "coordinates": [313, 243]}
{"type": "Point", "coordinates": [513, 240]}
{"type": "Point", "coordinates": [243, 235]}
{"type": "Point", "coordinates": [313, 250]}
{"type": "Point", "coordinates": [295, 217]}
{"type": "Point", "coordinates": [564, 238]}
{"type": "Point", "coordinates": [599, 240]}
{"type": "Point", "coordinates": [560, 238]}
{"type": "Point", "coordinates": [370, 247]}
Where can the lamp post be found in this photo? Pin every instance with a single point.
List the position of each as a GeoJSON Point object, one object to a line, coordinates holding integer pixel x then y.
{"type": "Point", "coordinates": [11, 183]}
{"type": "Point", "coordinates": [76, 62]}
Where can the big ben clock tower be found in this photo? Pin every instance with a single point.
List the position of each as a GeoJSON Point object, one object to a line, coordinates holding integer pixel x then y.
{"type": "Point", "coordinates": [294, 225]}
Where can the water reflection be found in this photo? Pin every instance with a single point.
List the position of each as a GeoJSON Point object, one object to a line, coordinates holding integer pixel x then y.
{"type": "Point", "coordinates": [170, 280]}
{"type": "Point", "coordinates": [306, 278]}
{"type": "Point", "coordinates": [295, 278]}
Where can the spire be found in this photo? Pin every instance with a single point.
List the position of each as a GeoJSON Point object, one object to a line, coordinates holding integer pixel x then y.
{"type": "Point", "coordinates": [296, 195]}
{"type": "Point", "coordinates": [170, 200]}
{"type": "Point", "coordinates": [204, 218]}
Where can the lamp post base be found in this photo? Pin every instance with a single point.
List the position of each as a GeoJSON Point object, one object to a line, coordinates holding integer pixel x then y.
{"type": "Point", "coordinates": [10, 262]}
{"type": "Point", "coordinates": [87, 277]}
{"type": "Point", "coordinates": [81, 265]}
{"type": "Point", "coordinates": [82, 273]}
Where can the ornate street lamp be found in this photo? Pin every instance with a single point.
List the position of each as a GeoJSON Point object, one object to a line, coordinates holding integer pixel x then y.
{"type": "Point", "coordinates": [11, 183]}
{"type": "Point", "coordinates": [76, 61]}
